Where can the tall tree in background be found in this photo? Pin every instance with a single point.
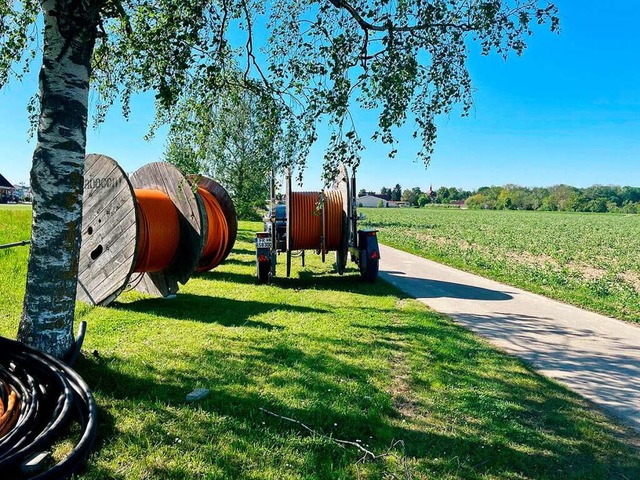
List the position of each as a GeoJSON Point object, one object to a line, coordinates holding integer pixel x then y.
{"type": "Point", "coordinates": [406, 60]}
{"type": "Point", "coordinates": [234, 137]}
{"type": "Point", "coordinates": [411, 195]}
{"type": "Point", "coordinates": [396, 193]}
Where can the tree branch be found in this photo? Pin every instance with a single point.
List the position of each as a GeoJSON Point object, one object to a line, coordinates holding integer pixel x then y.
{"type": "Point", "coordinates": [367, 453]}
{"type": "Point", "coordinates": [389, 26]}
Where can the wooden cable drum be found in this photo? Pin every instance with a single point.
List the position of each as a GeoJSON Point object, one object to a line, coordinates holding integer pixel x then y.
{"type": "Point", "coordinates": [220, 222]}
{"type": "Point", "coordinates": [109, 231]}
{"type": "Point", "coordinates": [154, 231]}
{"type": "Point", "coordinates": [149, 232]}
{"type": "Point", "coordinates": [165, 178]}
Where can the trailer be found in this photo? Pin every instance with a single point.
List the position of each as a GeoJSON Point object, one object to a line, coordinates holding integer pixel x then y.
{"type": "Point", "coordinates": [321, 222]}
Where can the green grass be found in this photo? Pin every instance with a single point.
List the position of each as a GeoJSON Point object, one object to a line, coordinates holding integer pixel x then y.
{"type": "Point", "coordinates": [352, 361]}
{"type": "Point", "coordinates": [15, 226]}
{"type": "Point", "coordinates": [589, 260]}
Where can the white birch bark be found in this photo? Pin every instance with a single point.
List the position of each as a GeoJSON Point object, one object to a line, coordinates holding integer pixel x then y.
{"type": "Point", "coordinates": [57, 176]}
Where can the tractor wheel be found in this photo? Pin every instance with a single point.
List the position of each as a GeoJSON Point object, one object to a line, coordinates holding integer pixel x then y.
{"type": "Point", "coordinates": [341, 261]}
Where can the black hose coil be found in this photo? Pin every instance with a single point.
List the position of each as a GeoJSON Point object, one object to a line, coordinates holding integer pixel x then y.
{"type": "Point", "coordinates": [50, 396]}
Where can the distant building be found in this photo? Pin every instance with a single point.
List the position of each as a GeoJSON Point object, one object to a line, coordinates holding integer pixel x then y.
{"type": "Point", "coordinates": [379, 195]}
{"type": "Point", "coordinates": [431, 193]}
{"type": "Point", "coordinates": [23, 192]}
{"type": "Point", "coordinates": [7, 191]}
{"type": "Point", "coordinates": [373, 200]}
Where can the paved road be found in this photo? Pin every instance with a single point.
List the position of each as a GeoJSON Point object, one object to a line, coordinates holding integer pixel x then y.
{"type": "Point", "coordinates": [595, 356]}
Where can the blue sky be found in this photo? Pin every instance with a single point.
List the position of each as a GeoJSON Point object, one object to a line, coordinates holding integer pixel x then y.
{"type": "Point", "coordinates": [567, 111]}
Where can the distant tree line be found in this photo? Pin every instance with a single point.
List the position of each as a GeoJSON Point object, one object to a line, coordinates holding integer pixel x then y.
{"type": "Point", "coordinates": [597, 198]}
{"type": "Point", "coordinates": [416, 197]}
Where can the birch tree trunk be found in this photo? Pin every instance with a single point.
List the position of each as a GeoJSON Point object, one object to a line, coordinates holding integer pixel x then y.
{"type": "Point", "coordinates": [57, 175]}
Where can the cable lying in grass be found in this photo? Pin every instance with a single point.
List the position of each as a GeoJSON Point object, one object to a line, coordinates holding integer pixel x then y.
{"type": "Point", "coordinates": [42, 397]}
{"type": "Point", "coordinates": [16, 244]}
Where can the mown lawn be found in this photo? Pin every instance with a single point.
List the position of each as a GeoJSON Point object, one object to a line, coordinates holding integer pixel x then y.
{"type": "Point", "coordinates": [349, 360]}
{"type": "Point", "coordinates": [15, 226]}
{"type": "Point", "coordinates": [589, 260]}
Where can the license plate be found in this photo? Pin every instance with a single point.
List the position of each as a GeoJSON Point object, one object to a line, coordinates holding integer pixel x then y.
{"type": "Point", "coordinates": [263, 242]}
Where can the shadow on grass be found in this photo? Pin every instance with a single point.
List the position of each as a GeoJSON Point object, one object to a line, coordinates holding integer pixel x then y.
{"type": "Point", "coordinates": [232, 379]}
{"type": "Point", "coordinates": [475, 412]}
{"type": "Point", "coordinates": [200, 308]}
{"type": "Point", "coordinates": [243, 251]}
{"type": "Point", "coordinates": [330, 281]}
{"type": "Point", "coordinates": [226, 276]}
{"type": "Point", "coordinates": [302, 280]}
{"type": "Point", "coordinates": [237, 261]}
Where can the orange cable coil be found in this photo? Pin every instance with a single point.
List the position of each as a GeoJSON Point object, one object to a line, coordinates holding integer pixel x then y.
{"type": "Point", "coordinates": [217, 237]}
{"type": "Point", "coordinates": [306, 220]}
{"type": "Point", "coordinates": [9, 412]}
{"type": "Point", "coordinates": [158, 230]}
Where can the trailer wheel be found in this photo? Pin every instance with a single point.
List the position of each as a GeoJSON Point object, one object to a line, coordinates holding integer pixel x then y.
{"type": "Point", "coordinates": [370, 271]}
{"type": "Point", "coordinates": [264, 271]}
{"type": "Point", "coordinates": [341, 261]}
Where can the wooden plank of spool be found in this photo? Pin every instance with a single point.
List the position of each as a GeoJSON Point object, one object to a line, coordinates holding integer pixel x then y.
{"type": "Point", "coordinates": [109, 231]}
{"type": "Point", "coordinates": [165, 177]}
{"type": "Point", "coordinates": [341, 183]}
{"type": "Point", "coordinates": [110, 264]}
{"type": "Point", "coordinates": [226, 203]}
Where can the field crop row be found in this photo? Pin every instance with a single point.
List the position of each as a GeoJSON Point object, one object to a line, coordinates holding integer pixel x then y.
{"type": "Point", "coordinates": [590, 260]}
